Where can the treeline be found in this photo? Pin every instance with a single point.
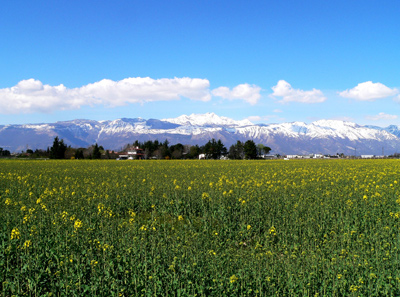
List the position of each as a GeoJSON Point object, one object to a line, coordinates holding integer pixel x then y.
{"type": "Point", "coordinates": [59, 150]}
{"type": "Point", "coordinates": [4, 153]}
{"type": "Point", "coordinates": [213, 149]}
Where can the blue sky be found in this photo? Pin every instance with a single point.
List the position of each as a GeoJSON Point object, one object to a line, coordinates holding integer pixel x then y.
{"type": "Point", "coordinates": [268, 61]}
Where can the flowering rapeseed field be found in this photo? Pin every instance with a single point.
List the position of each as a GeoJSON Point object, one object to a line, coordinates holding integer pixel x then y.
{"type": "Point", "coordinates": [205, 228]}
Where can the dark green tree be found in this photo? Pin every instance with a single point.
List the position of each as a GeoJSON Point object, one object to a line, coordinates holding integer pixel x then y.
{"type": "Point", "coordinates": [57, 151]}
{"type": "Point", "coordinates": [165, 152]}
{"type": "Point", "coordinates": [262, 149]}
{"type": "Point", "coordinates": [214, 149]}
{"type": "Point", "coordinates": [236, 151]}
{"type": "Point", "coordinates": [96, 152]}
{"type": "Point", "coordinates": [176, 151]}
{"type": "Point", "coordinates": [79, 154]}
{"type": "Point", "coordinates": [4, 153]}
{"type": "Point", "coordinates": [250, 149]}
{"type": "Point", "coordinates": [266, 149]}
{"type": "Point", "coordinates": [194, 152]}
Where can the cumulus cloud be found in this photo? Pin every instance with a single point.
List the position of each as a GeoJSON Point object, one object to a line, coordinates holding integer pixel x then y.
{"type": "Point", "coordinates": [381, 116]}
{"type": "Point", "coordinates": [284, 89]}
{"type": "Point", "coordinates": [33, 96]}
{"type": "Point", "coordinates": [246, 92]}
{"type": "Point", "coordinates": [369, 91]}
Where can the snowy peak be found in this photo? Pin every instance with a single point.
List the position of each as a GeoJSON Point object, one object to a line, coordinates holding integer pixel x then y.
{"type": "Point", "coordinates": [206, 120]}
{"type": "Point", "coordinates": [323, 136]}
{"type": "Point", "coordinates": [334, 124]}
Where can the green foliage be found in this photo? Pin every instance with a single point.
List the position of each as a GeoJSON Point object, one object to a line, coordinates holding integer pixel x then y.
{"type": "Point", "coordinates": [79, 154]}
{"type": "Point", "coordinates": [250, 149]}
{"type": "Point", "coordinates": [57, 151]}
{"type": "Point", "coordinates": [96, 152]}
{"type": "Point", "coordinates": [214, 149]}
{"type": "Point", "coordinates": [181, 228]}
{"type": "Point", "coordinates": [4, 153]}
{"type": "Point", "coordinates": [236, 151]}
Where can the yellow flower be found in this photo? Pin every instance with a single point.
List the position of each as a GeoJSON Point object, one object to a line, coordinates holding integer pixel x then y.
{"type": "Point", "coordinates": [100, 207]}
{"type": "Point", "coordinates": [15, 234]}
{"type": "Point", "coordinates": [353, 288]}
{"type": "Point", "coordinates": [248, 227]}
{"type": "Point", "coordinates": [180, 218]}
{"type": "Point", "coordinates": [78, 224]}
{"type": "Point", "coordinates": [27, 244]}
{"type": "Point", "coordinates": [233, 279]}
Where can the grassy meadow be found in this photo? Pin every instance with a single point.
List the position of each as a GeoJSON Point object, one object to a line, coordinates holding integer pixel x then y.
{"type": "Point", "coordinates": [200, 228]}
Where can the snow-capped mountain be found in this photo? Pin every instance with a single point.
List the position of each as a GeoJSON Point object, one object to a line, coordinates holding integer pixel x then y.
{"type": "Point", "coordinates": [207, 120]}
{"type": "Point", "coordinates": [324, 136]}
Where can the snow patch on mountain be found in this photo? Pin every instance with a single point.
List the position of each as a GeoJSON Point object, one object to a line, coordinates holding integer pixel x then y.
{"type": "Point", "coordinates": [206, 120]}
{"type": "Point", "coordinates": [323, 136]}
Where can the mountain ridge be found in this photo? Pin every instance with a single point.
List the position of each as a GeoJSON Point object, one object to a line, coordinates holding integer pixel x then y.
{"type": "Point", "coordinates": [322, 136]}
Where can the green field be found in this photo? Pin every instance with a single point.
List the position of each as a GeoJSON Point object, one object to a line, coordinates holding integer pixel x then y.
{"type": "Point", "coordinates": [205, 228]}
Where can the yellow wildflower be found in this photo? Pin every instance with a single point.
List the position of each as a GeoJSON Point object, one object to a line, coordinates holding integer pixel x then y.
{"type": "Point", "coordinates": [15, 234]}
{"type": "Point", "coordinates": [233, 279]}
{"type": "Point", "coordinates": [78, 224]}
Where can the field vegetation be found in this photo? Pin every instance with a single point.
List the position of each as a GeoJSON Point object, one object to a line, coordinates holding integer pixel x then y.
{"type": "Point", "coordinates": [205, 228]}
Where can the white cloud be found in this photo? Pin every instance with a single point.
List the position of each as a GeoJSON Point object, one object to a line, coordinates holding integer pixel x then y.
{"type": "Point", "coordinates": [246, 92]}
{"type": "Point", "coordinates": [284, 89]}
{"type": "Point", "coordinates": [382, 116]}
{"type": "Point", "coordinates": [33, 96]}
{"type": "Point", "coordinates": [267, 118]}
{"type": "Point", "coordinates": [369, 91]}
{"type": "Point", "coordinates": [277, 110]}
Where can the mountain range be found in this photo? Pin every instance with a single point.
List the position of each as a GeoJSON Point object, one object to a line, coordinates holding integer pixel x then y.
{"type": "Point", "coordinates": [323, 136]}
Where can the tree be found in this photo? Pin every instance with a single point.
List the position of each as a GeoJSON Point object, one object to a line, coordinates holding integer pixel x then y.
{"type": "Point", "coordinates": [79, 154]}
{"type": "Point", "coordinates": [176, 151]}
{"type": "Point", "coordinates": [236, 151]}
{"type": "Point", "coordinates": [214, 149]}
{"type": "Point", "coordinates": [96, 152]}
{"type": "Point", "coordinates": [4, 153]}
{"type": "Point", "coordinates": [262, 149]}
{"type": "Point", "coordinates": [250, 149]}
{"type": "Point", "coordinates": [194, 152]}
{"type": "Point", "coordinates": [57, 151]}
{"type": "Point", "coordinates": [267, 149]}
{"type": "Point", "coordinates": [165, 152]}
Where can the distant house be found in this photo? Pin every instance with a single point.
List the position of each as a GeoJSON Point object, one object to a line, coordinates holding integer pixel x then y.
{"type": "Point", "coordinates": [367, 156]}
{"type": "Point", "coordinates": [268, 157]}
{"type": "Point", "coordinates": [132, 153]}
